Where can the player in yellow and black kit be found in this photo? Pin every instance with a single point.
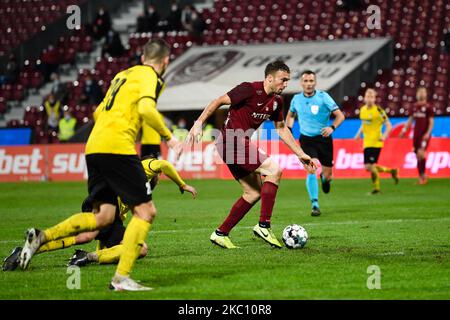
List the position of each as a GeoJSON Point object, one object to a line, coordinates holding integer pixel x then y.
{"type": "Point", "coordinates": [114, 169]}
{"type": "Point", "coordinates": [109, 238]}
{"type": "Point", "coordinates": [373, 117]}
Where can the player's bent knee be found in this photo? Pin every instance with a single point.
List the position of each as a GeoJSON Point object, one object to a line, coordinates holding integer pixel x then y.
{"type": "Point", "coordinates": [145, 211]}
{"type": "Point", "coordinates": [144, 251]}
{"type": "Point", "coordinates": [421, 154]}
{"type": "Point", "coordinates": [275, 173]}
{"type": "Point", "coordinates": [278, 172]}
{"type": "Point", "coordinates": [252, 196]}
{"type": "Point", "coordinates": [105, 216]}
{"type": "Point", "coordinates": [152, 212]}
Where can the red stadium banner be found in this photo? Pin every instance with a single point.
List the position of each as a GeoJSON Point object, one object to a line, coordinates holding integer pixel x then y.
{"type": "Point", "coordinates": [23, 163]}
{"type": "Point", "coordinates": [66, 162]}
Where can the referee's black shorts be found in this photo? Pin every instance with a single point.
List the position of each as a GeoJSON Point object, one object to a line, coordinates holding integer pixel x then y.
{"type": "Point", "coordinates": [113, 175]}
{"type": "Point", "coordinates": [318, 147]}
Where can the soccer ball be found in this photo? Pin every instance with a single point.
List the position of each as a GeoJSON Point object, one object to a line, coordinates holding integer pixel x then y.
{"type": "Point", "coordinates": [295, 236]}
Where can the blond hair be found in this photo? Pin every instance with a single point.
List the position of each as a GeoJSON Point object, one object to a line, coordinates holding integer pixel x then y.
{"type": "Point", "coordinates": [156, 50]}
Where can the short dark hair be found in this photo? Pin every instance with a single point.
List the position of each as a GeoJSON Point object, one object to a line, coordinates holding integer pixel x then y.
{"type": "Point", "coordinates": [273, 67]}
{"type": "Point", "coordinates": [156, 49]}
{"type": "Point", "coordinates": [308, 72]}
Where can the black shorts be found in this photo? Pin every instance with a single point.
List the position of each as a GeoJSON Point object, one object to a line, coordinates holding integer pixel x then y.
{"type": "Point", "coordinates": [113, 175]}
{"type": "Point", "coordinates": [111, 235]}
{"type": "Point", "coordinates": [150, 150]}
{"type": "Point", "coordinates": [318, 147]}
{"type": "Point", "coordinates": [371, 155]}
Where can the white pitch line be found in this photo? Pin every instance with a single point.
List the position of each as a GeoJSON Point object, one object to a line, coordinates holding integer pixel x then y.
{"type": "Point", "coordinates": [396, 253]}
{"type": "Point", "coordinates": [305, 224]}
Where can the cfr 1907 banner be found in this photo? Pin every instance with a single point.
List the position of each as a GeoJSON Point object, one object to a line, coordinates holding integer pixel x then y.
{"type": "Point", "coordinates": [67, 163]}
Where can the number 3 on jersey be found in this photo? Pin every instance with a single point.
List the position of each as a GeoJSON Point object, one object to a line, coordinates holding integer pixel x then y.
{"type": "Point", "coordinates": [115, 87]}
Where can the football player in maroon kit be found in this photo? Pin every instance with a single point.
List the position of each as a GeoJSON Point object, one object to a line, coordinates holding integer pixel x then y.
{"type": "Point", "coordinates": [250, 105]}
{"type": "Point", "coordinates": [422, 113]}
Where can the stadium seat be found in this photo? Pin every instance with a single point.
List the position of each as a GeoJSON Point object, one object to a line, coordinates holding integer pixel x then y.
{"type": "Point", "coordinates": [417, 29]}
{"type": "Point", "coordinates": [18, 92]}
{"type": "Point", "coordinates": [3, 106]}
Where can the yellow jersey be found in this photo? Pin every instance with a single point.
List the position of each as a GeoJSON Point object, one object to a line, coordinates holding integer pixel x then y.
{"type": "Point", "coordinates": [149, 134]}
{"type": "Point", "coordinates": [153, 167]}
{"type": "Point", "coordinates": [118, 118]}
{"type": "Point", "coordinates": [372, 124]}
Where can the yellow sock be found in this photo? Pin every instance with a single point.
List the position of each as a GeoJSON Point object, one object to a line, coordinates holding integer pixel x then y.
{"type": "Point", "coordinates": [99, 246]}
{"type": "Point", "coordinates": [133, 240]}
{"type": "Point", "coordinates": [75, 224]}
{"type": "Point", "coordinates": [57, 244]}
{"type": "Point", "coordinates": [110, 255]}
{"type": "Point", "coordinates": [375, 181]}
{"type": "Point", "coordinates": [383, 169]}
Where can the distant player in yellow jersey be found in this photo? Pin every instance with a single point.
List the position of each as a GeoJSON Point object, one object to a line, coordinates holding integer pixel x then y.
{"type": "Point", "coordinates": [109, 238]}
{"type": "Point", "coordinates": [373, 117]}
{"type": "Point", "coordinates": [150, 141]}
{"type": "Point", "coordinates": [114, 169]}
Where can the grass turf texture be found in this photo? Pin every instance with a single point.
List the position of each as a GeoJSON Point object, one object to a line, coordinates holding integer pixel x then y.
{"type": "Point", "coordinates": [404, 231]}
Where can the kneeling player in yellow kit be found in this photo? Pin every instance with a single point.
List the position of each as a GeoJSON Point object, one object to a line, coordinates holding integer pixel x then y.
{"type": "Point", "coordinates": [110, 238]}
{"type": "Point", "coordinates": [373, 117]}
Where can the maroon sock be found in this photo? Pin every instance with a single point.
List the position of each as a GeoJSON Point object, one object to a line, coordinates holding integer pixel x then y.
{"type": "Point", "coordinates": [268, 194]}
{"type": "Point", "coordinates": [237, 212]}
{"type": "Point", "coordinates": [421, 167]}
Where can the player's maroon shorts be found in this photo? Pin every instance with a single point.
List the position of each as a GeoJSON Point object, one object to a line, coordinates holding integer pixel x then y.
{"type": "Point", "coordinates": [241, 155]}
{"type": "Point", "coordinates": [420, 143]}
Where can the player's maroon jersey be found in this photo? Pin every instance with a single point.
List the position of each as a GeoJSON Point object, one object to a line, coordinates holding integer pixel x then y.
{"type": "Point", "coordinates": [421, 112]}
{"type": "Point", "coordinates": [251, 106]}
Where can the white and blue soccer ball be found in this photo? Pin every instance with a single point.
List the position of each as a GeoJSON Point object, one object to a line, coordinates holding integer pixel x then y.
{"type": "Point", "coordinates": [295, 236]}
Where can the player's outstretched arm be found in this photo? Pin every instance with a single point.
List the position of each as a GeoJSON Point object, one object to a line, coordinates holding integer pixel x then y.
{"type": "Point", "coordinates": [386, 132]}
{"type": "Point", "coordinates": [287, 137]}
{"type": "Point", "coordinates": [148, 112]}
{"type": "Point", "coordinates": [406, 127]}
{"type": "Point", "coordinates": [190, 189]}
{"type": "Point", "coordinates": [195, 134]}
{"type": "Point", "coordinates": [169, 170]}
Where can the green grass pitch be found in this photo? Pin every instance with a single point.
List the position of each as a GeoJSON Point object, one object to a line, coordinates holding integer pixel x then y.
{"type": "Point", "coordinates": [405, 231]}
